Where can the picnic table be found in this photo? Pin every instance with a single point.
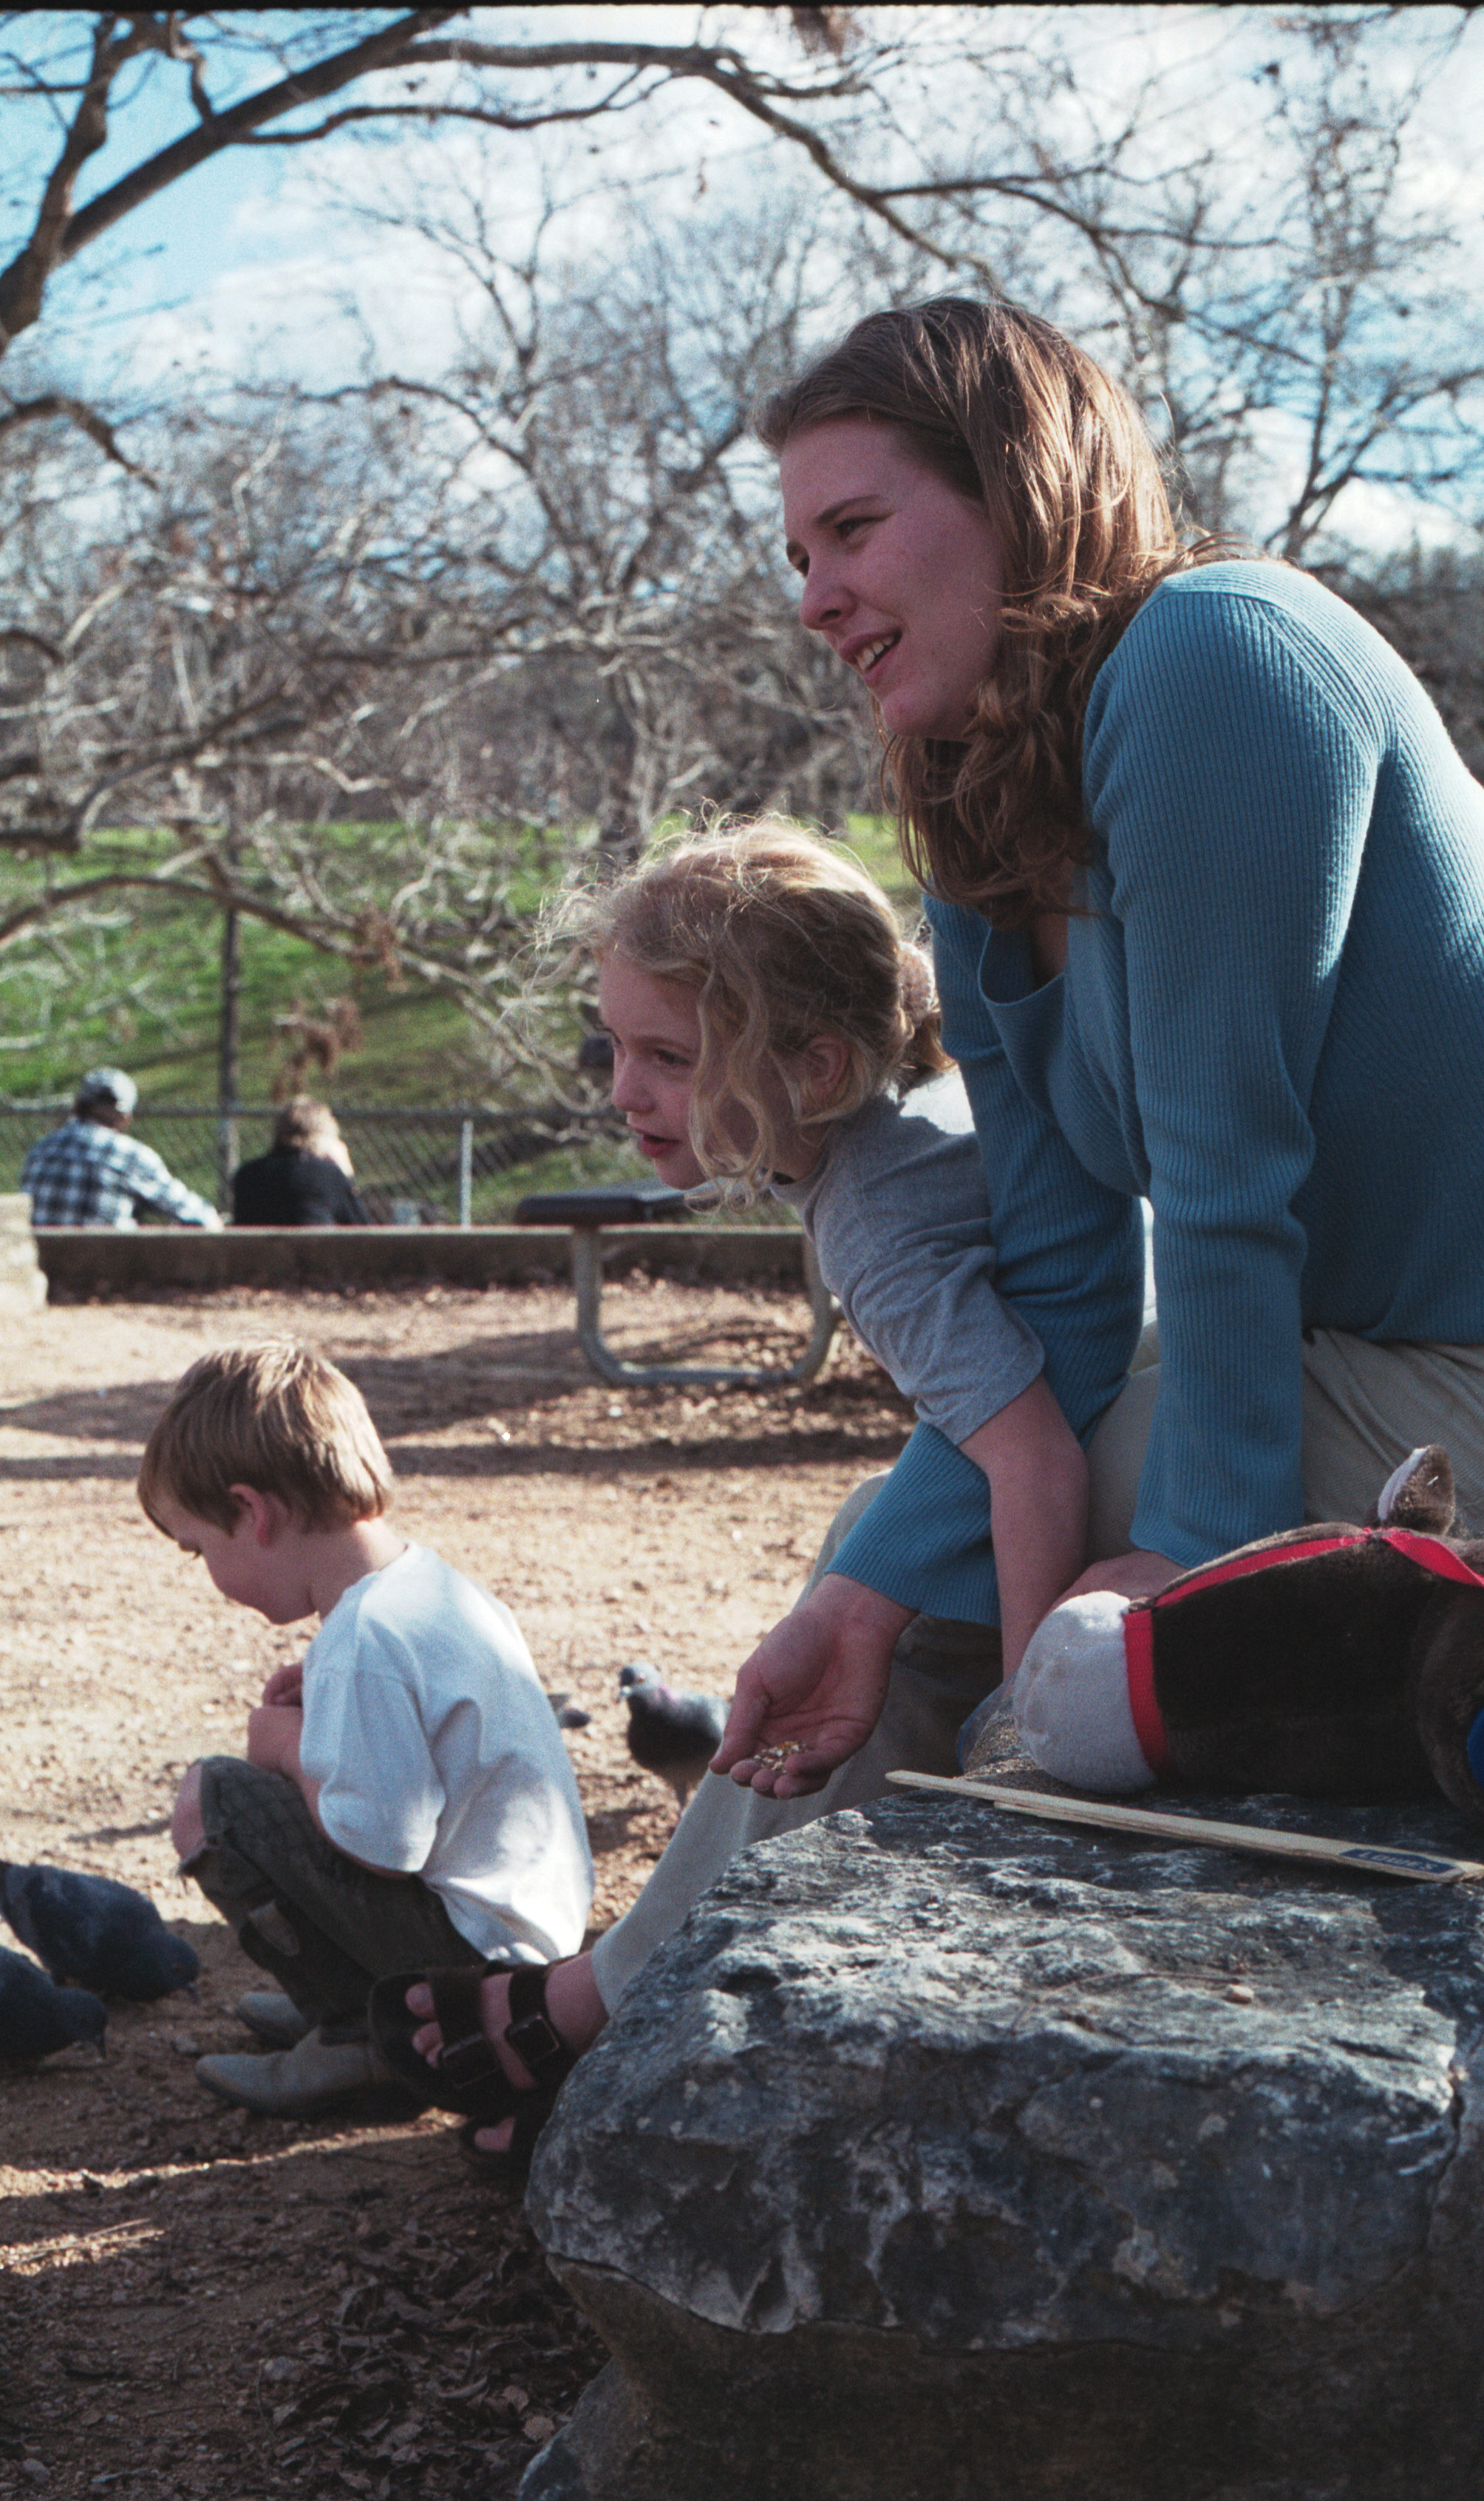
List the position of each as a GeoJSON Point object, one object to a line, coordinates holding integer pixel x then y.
{"type": "Point", "coordinates": [586, 1213]}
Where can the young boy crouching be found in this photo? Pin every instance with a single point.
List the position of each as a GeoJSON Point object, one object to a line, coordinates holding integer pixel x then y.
{"type": "Point", "coordinates": [407, 1798]}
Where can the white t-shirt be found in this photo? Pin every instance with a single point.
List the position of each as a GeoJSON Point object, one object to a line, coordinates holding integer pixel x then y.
{"type": "Point", "coordinates": [439, 1756]}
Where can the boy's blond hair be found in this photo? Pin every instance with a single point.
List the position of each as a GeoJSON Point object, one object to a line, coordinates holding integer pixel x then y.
{"type": "Point", "coordinates": [782, 936]}
{"type": "Point", "coordinates": [278, 1419]}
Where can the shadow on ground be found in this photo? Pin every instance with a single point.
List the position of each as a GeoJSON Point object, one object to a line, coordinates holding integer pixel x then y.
{"type": "Point", "coordinates": [220, 2305]}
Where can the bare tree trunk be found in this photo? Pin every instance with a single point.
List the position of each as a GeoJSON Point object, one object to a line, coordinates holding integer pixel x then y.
{"type": "Point", "coordinates": [228, 1047]}
{"type": "Point", "coordinates": [620, 830]}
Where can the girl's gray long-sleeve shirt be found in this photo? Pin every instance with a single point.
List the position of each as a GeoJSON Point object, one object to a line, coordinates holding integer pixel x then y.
{"type": "Point", "coordinates": [897, 1211]}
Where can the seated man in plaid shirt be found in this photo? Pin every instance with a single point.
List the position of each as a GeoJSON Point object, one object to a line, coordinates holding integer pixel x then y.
{"type": "Point", "coordinates": [87, 1171]}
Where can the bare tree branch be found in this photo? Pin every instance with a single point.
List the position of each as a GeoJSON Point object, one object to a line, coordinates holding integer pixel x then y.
{"type": "Point", "coordinates": [75, 412]}
{"type": "Point", "coordinates": [616, 100]}
{"type": "Point", "coordinates": [22, 634]}
{"type": "Point", "coordinates": [425, 641]}
{"type": "Point", "coordinates": [59, 233]}
{"type": "Point", "coordinates": [212, 887]}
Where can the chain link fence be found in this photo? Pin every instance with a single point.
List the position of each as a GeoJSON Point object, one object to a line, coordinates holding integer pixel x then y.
{"type": "Point", "coordinates": [412, 1166]}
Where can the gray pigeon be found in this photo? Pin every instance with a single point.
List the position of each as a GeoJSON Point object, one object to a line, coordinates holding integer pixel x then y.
{"type": "Point", "coordinates": [91, 1929]}
{"type": "Point", "coordinates": [674, 1734]}
{"type": "Point", "coordinates": [569, 1714]}
{"type": "Point", "coordinates": [36, 2016]}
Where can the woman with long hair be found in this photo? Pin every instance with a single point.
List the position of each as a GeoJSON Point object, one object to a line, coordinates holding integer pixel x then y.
{"type": "Point", "coordinates": [1206, 884]}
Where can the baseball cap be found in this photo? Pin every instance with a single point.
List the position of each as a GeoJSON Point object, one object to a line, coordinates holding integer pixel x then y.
{"type": "Point", "coordinates": [112, 1082]}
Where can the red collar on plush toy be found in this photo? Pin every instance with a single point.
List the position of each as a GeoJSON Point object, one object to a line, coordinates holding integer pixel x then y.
{"type": "Point", "coordinates": [1328, 1661]}
{"type": "Point", "coordinates": [1428, 1552]}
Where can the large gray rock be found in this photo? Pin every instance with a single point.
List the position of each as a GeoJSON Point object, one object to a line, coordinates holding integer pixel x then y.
{"type": "Point", "coordinates": [942, 2155]}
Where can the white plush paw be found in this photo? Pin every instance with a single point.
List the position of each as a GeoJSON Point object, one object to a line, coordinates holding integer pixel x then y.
{"type": "Point", "coordinates": [1072, 1697]}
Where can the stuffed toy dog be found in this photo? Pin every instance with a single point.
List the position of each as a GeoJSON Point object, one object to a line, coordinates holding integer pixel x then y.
{"type": "Point", "coordinates": [1321, 1662]}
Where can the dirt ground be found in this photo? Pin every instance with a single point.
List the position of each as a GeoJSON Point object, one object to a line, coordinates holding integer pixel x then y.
{"type": "Point", "coordinates": [197, 2302]}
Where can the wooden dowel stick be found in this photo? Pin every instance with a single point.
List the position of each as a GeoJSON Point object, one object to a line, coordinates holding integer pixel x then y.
{"type": "Point", "coordinates": [1264, 1838]}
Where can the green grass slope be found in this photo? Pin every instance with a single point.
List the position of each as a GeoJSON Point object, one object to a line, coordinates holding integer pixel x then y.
{"type": "Point", "coordinates": [138, 985]}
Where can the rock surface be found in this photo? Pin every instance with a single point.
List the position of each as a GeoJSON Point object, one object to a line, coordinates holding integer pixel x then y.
{"type": "Point", "coordinates": [943, 2153]}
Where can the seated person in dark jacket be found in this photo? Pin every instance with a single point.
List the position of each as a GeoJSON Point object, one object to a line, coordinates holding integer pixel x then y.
{"type": "Point", "coordinates": [305, 1177]}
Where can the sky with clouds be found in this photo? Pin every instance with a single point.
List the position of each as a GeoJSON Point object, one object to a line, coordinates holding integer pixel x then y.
{"type": "Point", "coordinates": [283, 262]}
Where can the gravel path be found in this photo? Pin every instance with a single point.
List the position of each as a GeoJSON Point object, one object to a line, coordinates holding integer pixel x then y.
{"type": "Point", "coordinates": [197, 2302]}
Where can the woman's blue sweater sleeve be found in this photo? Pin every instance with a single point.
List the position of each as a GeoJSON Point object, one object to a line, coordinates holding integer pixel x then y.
{"type": "Point", "coordinates": [1069, 1250]}
{"type": "Point", "coordinates": [1236, 770]}
{"type": "Point", "coordinates": [925, 1541]}
{"type": "Point", "coordinates": [1231, 770]}
{"type": "Point", "coordinates": [1069, 1258]}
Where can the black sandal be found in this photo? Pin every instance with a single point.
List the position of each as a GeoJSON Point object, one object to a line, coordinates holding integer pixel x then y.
{"type": "Point", "coordinates": [469, 2078]}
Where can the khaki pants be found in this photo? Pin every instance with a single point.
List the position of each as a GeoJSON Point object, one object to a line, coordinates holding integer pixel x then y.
{"type": "Point", "coordinates": [1365, 1408]}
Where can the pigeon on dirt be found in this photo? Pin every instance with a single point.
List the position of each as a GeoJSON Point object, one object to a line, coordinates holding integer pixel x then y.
{"type": "Point", "coordinates": [569, 1714]}
{"type": "Point", "coordinates": [91, 1929]}
{"type": "Point", "coordinates": [36, 2016]}
{"type": "Point", "coordinates": [674, 1734]}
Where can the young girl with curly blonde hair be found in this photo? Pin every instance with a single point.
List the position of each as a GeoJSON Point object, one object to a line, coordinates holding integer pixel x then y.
{"type": "Point", "coordinates": [774, 1030]}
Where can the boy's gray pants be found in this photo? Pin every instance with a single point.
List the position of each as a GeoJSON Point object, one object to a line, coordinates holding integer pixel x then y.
{"type": "Point", "coordinates": [325, 1927]}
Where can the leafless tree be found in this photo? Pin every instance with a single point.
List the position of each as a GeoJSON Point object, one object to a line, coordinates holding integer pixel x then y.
{"type": "Point", "coordinates": [325, 647]}
{"type": "Point", "coordinates": [259, 79]}
{"type": "Point", "coordinates": [1298, 322]}
{"type": "Point", "coordinates": [1264, 273]}
{"type": "Point", "coordinates": [626, 527]}
{"type": "Point", "coordinates": [349, 650]}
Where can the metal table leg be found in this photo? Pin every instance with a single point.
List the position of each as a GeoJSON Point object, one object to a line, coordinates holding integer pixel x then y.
{"type": "Point", "coordinates": [587, 1280]}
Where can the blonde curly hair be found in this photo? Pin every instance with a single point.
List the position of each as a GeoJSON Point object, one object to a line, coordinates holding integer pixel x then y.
{"type": "Point", "coordinates": [782, 937]}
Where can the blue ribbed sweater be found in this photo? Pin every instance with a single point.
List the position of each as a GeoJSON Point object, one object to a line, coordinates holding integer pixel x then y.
{"type": "Point", "coordinates": [1270, 1025]}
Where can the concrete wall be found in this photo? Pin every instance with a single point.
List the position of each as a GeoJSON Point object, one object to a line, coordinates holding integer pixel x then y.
{"type": "Point", "coordinates": [81, 1261]}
